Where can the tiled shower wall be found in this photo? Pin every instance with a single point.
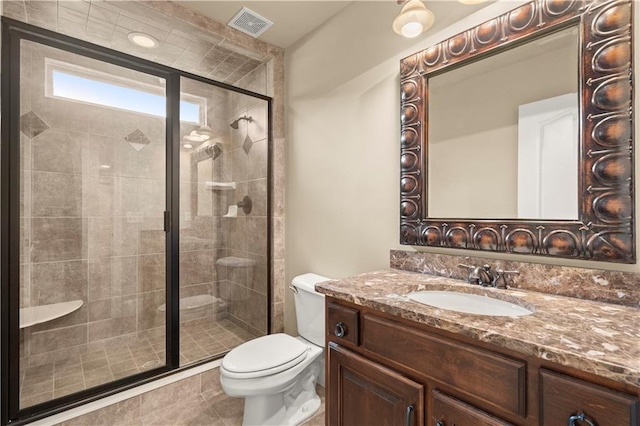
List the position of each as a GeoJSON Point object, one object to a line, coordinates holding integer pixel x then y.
{"type": "Point", "coordinates": [246, 285]}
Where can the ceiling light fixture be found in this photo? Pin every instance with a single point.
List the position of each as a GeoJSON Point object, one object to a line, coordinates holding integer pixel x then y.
{"type": "Point", "coordinates": [205, 130]}
{"type": "Point", "coordinates": [413, 20]}
{"type": "Point", "coordinates": [194, 137]}
{"type": "Point", "coordinates": [143, 40]}
{"type": "Point", "coordinates": [470, 2]}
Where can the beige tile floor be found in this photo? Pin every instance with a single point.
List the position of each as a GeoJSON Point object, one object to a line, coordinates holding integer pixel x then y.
{"type": "Point", "coordinates": [198, 400]}
{"type": "Point", "coordinates": [86, 370]}
{"type": "Point", "coordinates": [214, 409]}
{"type": "Point", "coordinates": [211, 407]}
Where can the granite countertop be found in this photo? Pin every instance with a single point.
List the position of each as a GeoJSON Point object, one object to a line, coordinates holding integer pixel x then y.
{"type": "Point", "coordinates": [595, 337]}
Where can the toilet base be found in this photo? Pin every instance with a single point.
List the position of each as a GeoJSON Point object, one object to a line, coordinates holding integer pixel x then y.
{"type": "Point", "coordinates": [288, 408]}
{"type": "Point", "coordinates": [306, 411]}
{"type": "Point", "coordinates": [262, 412]}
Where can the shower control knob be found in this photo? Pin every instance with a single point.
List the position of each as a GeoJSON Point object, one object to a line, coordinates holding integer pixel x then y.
{"type": "Point", "coordinates": [340, 330]}
{"type": "Point", "coordinates": [246, 204]}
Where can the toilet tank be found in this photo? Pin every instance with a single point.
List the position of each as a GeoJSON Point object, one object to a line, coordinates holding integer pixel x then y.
{"type": "Point", "coordinates": [309, 307]}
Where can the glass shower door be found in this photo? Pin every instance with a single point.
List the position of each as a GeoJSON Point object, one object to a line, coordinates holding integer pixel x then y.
{"type": "Point", "coordinates": [92, 178]}
{"type": "Point", "coordinates": [224, 268]}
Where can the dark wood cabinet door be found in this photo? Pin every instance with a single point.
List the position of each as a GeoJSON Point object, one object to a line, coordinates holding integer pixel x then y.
{"type": "Point", "coordinates": [362, 392]}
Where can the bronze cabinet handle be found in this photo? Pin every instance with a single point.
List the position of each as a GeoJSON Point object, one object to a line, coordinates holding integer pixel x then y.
{"type": "Point", "coordinates": [407, 415]}
{"type": "Point", "coordinates": [582, 417]}
{"type": "Point", "coordinates": [340, 329]}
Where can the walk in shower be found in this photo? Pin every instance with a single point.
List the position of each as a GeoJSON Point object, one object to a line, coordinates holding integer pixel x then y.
{"type": "Point", "coordinates": [134, 216]}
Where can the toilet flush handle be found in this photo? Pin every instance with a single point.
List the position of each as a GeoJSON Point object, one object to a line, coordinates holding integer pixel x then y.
{"type": "Point", "coordinates": [293, 289]}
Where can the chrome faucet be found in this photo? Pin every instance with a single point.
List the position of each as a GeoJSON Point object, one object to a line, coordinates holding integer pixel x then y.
{"type": "Point", "coordinates": [504, 279]}
{"type": "Point", "coordinates": [481, 275]}
{"type": "Point", "coordinates": [487, 275]}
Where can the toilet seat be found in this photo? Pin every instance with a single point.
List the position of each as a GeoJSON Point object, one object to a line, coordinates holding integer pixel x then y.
{"type": "Point", "coordinates": [276, 353]}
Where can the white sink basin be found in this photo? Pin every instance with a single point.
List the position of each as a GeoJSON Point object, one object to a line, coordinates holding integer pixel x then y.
{"type": "Point", "coordinates": [469, 303]}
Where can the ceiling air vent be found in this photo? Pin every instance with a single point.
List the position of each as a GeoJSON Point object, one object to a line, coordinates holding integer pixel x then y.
{"type": "Point", "coordinates": [250, 22]}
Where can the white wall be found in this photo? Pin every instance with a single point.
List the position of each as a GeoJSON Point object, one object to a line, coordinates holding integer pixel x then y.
{"type": "Point", "coordinates": [472, 146]}
{"type": "Point", "coordinates": [343, 129]}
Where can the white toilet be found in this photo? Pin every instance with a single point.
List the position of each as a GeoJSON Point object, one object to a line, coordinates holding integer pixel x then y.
{"type": "Point", "coordinates": [277, 373]}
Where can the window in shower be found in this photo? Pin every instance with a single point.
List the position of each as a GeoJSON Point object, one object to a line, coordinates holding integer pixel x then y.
{"type": "Point", "coordinates": [76, 83]}
{"type": "Point", "coordinates": [135, 225]}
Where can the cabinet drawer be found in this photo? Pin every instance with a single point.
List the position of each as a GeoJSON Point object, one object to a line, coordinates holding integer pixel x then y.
{"type": "Point", "coordinates": [564, 396]}
{"type": "Point", "coordinates": [492, 378]}
{"type": "Point", "coordinates": [449, 411]}
{"type": "Point", "coordinates": [343, 324]}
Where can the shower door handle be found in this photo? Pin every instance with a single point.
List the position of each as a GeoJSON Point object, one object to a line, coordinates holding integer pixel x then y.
{"type": "Point", "coordinates": [167, 221]}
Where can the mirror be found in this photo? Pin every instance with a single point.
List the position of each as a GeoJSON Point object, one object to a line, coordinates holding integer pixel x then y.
{"type": "Point", "coordinates": [517, 135]}
{"type": "Point", "coordinates": [482, 114]}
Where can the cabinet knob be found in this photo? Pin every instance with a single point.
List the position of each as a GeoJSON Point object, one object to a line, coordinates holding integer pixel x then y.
{"type": "Point", "coordinates": [582, 417]}
{"type": "Point", "coordinates": [340, 329]}
{"type": "Point", "coordinates": [440, 424]}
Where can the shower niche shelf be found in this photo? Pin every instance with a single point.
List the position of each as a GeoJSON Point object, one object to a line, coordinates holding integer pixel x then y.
{"type": "Point", "coordinates": [236, 262]}
{"type": "Point", "coordinates": [220, 186]}
{"type": "Point", "coordinates": [44, 313]}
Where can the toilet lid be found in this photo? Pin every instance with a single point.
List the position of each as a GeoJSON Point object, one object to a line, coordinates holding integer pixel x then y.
{"type": "Point", "coordinates": [269, 354]}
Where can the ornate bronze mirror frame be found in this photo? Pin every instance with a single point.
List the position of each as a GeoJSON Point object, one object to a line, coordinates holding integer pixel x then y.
{"type": "Point", "coordinates": [605, 228]}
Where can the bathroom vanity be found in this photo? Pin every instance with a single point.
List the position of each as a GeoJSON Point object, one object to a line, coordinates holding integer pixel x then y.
{"type": "Point", "coordinates": [392, 360]}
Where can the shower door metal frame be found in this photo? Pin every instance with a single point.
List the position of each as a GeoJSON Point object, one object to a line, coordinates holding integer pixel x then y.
{"type": "Point", "coordinates": [13, 32]}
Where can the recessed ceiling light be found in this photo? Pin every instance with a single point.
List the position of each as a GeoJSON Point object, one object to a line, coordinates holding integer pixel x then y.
{"type": "Point", "coordinates": [143, 40]}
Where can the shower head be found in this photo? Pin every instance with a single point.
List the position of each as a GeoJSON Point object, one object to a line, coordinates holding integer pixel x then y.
{"type": "Point", "coordinates": [235, 123]}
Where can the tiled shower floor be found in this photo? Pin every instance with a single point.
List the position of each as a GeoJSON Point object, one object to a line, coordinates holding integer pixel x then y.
{"type": "Point", "coordinates": [56, 379]}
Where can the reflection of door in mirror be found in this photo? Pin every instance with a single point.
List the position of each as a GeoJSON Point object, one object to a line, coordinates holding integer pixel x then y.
{"type": "Point", "coordinates": [473, 128]}
{"type": "Point", "coordinates": [548, 158]}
